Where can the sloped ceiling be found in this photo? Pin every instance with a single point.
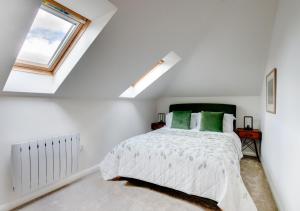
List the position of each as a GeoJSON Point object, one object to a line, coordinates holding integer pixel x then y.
{"type": "Point", "coordinates": [16, 18]}
{"type": "Point", "coordinates": [223, 45]}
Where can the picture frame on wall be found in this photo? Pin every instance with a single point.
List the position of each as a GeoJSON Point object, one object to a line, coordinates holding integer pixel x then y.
{"type": "Point", "coordinates": [271, 88]}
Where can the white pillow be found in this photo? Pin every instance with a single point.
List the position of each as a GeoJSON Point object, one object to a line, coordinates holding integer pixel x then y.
{"type": "Point", "coordinates": [228, 123]}
{"type": "Point", "coordinates": [194, 124]}
{"type": "Point", "coordinates": [195, 121]}
{"type": "Point", "coordinates": [169, 117]}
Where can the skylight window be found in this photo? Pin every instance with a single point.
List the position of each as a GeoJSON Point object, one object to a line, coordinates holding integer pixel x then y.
{"type": "Point", "coordinates": [44, 70]}
{"type": "Point", "coordinates": [160, 68]}
{"type": "Point", "coordinates": [54, 30]}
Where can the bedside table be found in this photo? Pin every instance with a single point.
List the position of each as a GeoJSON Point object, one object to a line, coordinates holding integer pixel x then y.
{"type": "Point", "coordinates": [248, 138]}
{"type": "Point", "coordinates": [157, 125]}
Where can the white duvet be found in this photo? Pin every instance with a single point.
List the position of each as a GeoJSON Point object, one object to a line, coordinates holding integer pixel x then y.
{"type": "Point", "coordinates": [204, 164]}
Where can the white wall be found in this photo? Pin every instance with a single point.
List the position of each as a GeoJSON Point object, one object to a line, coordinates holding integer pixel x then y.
{"type": "Point", "coordinates": [281, 139]}
{"type": "Point", "coordinates": [102, 124]}
{"type": "Point", "coordinates": [246, 106]}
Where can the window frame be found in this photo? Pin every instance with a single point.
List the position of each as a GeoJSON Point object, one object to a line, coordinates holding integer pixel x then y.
{"type": "Point", "coordinates": [69, 43]}
{"type": "Point", "coordinates": [159, 69]}
{"type": "Point", "coordinates": [161, 61]}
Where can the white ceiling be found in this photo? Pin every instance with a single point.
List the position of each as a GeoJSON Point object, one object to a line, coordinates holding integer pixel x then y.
{"type": "Point", "coordinates": [16, 18]}
{"type": "Point", "coordinates": [223, 45]}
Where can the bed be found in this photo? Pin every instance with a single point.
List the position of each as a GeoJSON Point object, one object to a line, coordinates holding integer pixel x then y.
{"type": "Point", "coordinates": [204, 164]}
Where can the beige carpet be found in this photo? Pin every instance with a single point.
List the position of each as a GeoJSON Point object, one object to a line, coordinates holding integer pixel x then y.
{"type": "Point", "coordinates": [92, 193]}
{"type": "Point", "coordinates": [257, 184]}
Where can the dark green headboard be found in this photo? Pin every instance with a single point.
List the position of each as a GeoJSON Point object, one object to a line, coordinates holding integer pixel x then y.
{"type": "Point", "coordinates": [198, 107]}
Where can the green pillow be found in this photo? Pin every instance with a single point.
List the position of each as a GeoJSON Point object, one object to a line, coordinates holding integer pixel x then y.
{"type": "Point", "coordinates": [212, 121]}
{"type": "Point", "coordinates": [181, 119]}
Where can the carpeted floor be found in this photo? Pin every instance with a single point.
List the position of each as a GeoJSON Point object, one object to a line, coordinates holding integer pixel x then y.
{"type": "Point", "coordinates": [257, 184]}
{"type": "Point", "coordinates": [92, 193]}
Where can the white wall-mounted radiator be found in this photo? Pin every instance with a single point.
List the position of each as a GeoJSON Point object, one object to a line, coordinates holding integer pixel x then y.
{"type": "Point", "coordinates": [38, 163]}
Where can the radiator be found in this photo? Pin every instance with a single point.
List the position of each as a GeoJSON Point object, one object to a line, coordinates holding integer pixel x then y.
{"type": "Point", "coordinates": [39, 163]}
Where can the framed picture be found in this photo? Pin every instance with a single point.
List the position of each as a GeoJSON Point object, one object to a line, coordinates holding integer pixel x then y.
{"type": "Point", "coordinates": [271, 81]}
{"type": "Point", "coordinates": [248, 122]}
{"type": "Point", "coordinates": [161, 117]}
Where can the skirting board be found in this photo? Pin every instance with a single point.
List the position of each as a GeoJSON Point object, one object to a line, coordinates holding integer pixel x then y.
{"type": "Point", "coordinates": [44, 191]}
{"type": "Point", "coordinates": [271, 184]}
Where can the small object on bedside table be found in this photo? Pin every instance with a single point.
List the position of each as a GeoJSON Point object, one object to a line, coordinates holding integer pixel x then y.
{"type": "Point", "coordinates": [248, 122]}
{"type": "Point", "coordinates": [248, 138]}
{"type": "Point", "coordinates": [161, 117]}
{"type": "Point", "coordinates": [157, 125]}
